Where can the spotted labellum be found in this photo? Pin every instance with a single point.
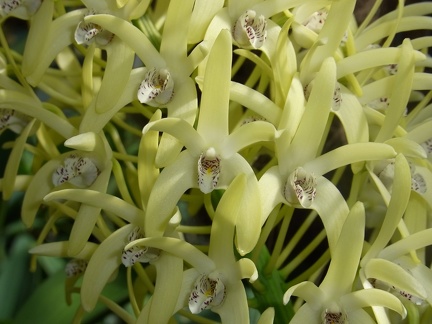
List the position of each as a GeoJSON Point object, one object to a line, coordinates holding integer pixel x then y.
{"type": "Point", "coordinates": [208, 291]}
{"type": "Point", "coordinates": [250, 30]}
{"type": "Point", "coordinates": [157, 88]}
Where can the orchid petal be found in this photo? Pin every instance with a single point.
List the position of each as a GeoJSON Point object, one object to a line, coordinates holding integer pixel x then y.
{"type": "Point", "coordinates": [181, 249]}
{"type": "Point", "coordinates": [225, 218]}
{"type": "Point", "coordinates": [394, 275]}
{"type": "Point", "coordinates": [306, 142]}
{"type": "Point", "coordinates": [271, 187]}
{"type": "Point", "coordinates": [31, 107]}
{"type": "Point", "coordinates": [12, 165]}
{"type": "Point", "coordinates": [174, 41]}
{"type": "Point", "coordinates": [60, 249]}
{"type": "Point", "coordinates": [169, 279]}
{"type": "Point", "coordinates": [87, 216]}
{"type": "Point", "coordinates": [250, 219]}
{"type": "Point", "coordinates": [396, 207]}
{"type": "Point", "coordinates": [400, 92]}
{"type": "Point", "coordinates": [373, 297]}
{"type": "Point", "coordinates": [234, 308]}
{"type": "Point", "coordinates": [132, 36]}
{"type": "Point", "coordinates": [213, 119]}
{"type": "Point", "coordinates": [180, 129]}
{"type": "Point", "coordinates": [175, 179]}
{"type": "Point", "coordinates": [308, 291]}
{"type": "Point", "coordinates": [349, 154]}
{"type": "Point", "coordinates": [38, 188]}
{"type": "Point", "coordinates": [293, 110]}
{"type": "Point", "coordinates": [247, 269]}
{"type": "Point", "coordinates": [101, 200]}
{"type": "Point", "coordinates": [255, 101]}
{"type": "Point", "coordinates": [116, 74]}
{"type": "Point", "coordinates": [410, 243]}
{"type": "Point", "coordinates": [331, 208]}
{"type": "Point", "coordinates": [246, 135]}
{"type": "Point", "coordinates": [202, 14]}
{"type": "Point", "coordinates": [267, 317]}
{"type": "Point", "coordinates": [108, 255]}
{"type": "Point", "coordinates": [346, 255]}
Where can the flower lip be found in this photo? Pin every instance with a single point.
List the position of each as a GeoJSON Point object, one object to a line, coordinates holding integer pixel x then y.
{"type": "Point", "coordinates": [301, 186]}
{"type": "Point", "coordinates": [87, 33]}
{"type": "Point", "coordinates": [75, 267]}
{"type": "Point", "coordinates": [157, 88]}
{"type": "Point", "coordinates": [208, 170]}
{"type": "Point", "coordinates": [208, 292]}
{"type": "Point", "coordinates": [78, 170]}
{"type": "Point", "coordinates": [13, 120]}
{"type": "Point", "coordinates": [137, 253]}
{"type": "Point", "coordinates": [250, 30]}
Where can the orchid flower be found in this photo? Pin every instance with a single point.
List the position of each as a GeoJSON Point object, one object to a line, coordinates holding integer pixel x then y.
{"type": "Point", "coordinates": [210, 160]}
{"type": "Point", "coordinates": [298, 178]}
{"type": "Point", "coordinates": [87, 167]}
{"type": "Point", "coordinates": [214, 281]}
{"type": "Point", "coordinates": [333, 301]}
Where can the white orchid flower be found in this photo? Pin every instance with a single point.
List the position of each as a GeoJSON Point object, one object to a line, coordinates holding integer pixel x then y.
{"type": "Point", "coordinates": [333, 301]}
{"type": "Point", "coordinates": [214, 281]}
{"type": "Point", "coordinates": [210, 160]}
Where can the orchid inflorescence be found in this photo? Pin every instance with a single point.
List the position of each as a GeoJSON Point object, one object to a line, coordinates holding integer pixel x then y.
{"type": "Point", "coordinates": [264, 161]}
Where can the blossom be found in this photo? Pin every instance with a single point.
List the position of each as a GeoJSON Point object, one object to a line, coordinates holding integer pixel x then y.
{"type": "Point", "coordinates": [333, 301]}
{"type": "Point", "coordinates": [214, 282]}
{"type": "Point", "coordinates": [210, 160]}
{"type": "Point", "coordinates": [22, 9]}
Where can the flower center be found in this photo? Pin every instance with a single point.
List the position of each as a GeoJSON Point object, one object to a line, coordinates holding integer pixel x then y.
{"type": "Point", "coordinates": [330, 317]}
{"type": "Point", "coordinates": [157, 88]}
{"type": "Point", "coordinates": [249, 30]}
{"type": "Point", "coordinates": [138, 253]}
{"type": "Point", "coordinates": [88, 33]}
{"type": "Point", "coordinates": [12, 119]}
{"type": "Point", "coordinates": [77, 170]}
{"type": "Point", "coordinates": [209, 291]}
{"type": "Point", "coordinates": [75, 267]}
{"type": "Point", "coordinates": [7, 6]}
{"type": "Point", "coordinates": [208, 170]}
{"type": "Point", "coordinates": [300, 187]}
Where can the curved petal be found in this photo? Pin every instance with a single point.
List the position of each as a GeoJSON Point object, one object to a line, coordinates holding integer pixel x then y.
{"type": "Point", "coordinates": [13, 162]}
{"type": "Point", "coordinates": [394, 275]}
{"type": "Point", "coordinates": [255, 101]}
{"type": "Point", "coordinates": [307, 315]}
{"type": "Point", "coordinates": [346, 255]}
{"type": "Point", "coordinates": [60, 249]}
{"type": "Point", "coordinates": [247, 269]}
{"type": "Point", "coordinates": [181, 249]}
{"type": "Point", "coordinates": [120, 58]}
{"type": "Point", "coordinates": [372, 297]}
{"type": "Point", "coordinates": [234, 308]}
{"type": "Point", "coordinates": [38, 188]}
{"type": "Point", "coordinates": [181, 130]}
{"type": "Point", "coordinates": [105, 201]}
{"type": "Point", "coordinates": [31, 107]}
{"type": "Point", "coordinates": [175, 33]}
{"type": "Point", "coordinates": [313, 295]}
{"type": "Point", "coordinates": [332, 209]}
{"type": "Point", "coordinates": [167, 288]}
{"type": "Point", "coordinates": [107, 257]}
{"type": "Point", "coordinates": [307, 139]}
{"type": "Point", "coordinates": [404, 246]}
{"type": "Point", "coordinates": [202, 14]}
{"type": "Point", "coordinates": [132, 36]}
{"type": "Point", "coordinates": [270, 186]}
{"type": "Point", "coordinates": [248, 134]}
{"type": "Point", "coordinates": [172, 182]}
{"type": "Point", "coordinates": [87, 216]}
{"type": "Point", "coordinates": [396, 207]}
{"type": "Point", "coordinates": [249, 219]}
{"type": "Point", "coordinates": [348, 154]}
{"type": "Point", "coordinates": [213, 118]}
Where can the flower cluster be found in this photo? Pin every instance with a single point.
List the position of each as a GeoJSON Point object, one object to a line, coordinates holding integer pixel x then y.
{"type": "Point", "coordinates": [180, 147]}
